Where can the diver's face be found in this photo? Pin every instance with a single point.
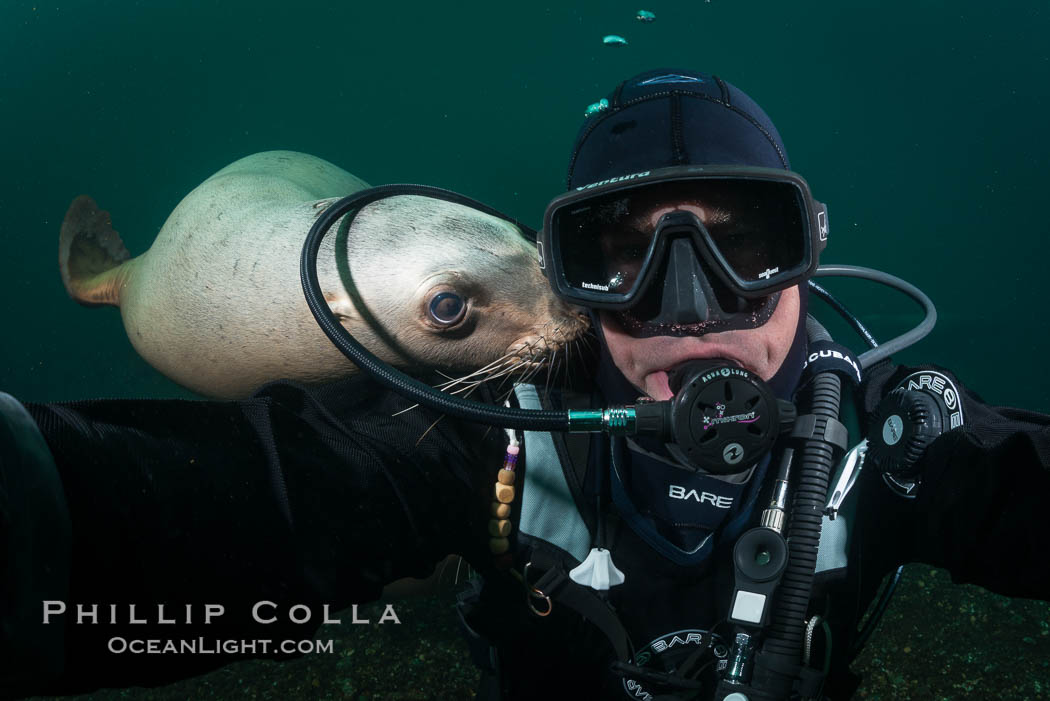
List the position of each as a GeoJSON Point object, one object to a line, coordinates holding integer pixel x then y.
{"type": "Point", "coordinates": [645, 361]}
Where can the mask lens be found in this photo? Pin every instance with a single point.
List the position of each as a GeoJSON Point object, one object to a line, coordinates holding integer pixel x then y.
{"type": "Point", "coordinates": [601, 248]}
{"type": "Point", "coordinates": [757, 228]}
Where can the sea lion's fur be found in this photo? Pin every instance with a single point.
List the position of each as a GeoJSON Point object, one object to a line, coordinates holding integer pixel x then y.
{"type": "Point", "coordinates": [216, 302]}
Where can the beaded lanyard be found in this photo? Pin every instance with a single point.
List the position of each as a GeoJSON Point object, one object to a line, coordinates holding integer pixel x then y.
{"type": "Point", "coordinates": [500, 526]}
{"type": "Point", "coordinates": [597, 571]}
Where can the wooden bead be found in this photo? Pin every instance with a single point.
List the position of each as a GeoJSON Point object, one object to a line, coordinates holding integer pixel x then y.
{"type": "Point", "coordinates": [499, 528]}
{"type": "Point", "coordinates": [504, 493]}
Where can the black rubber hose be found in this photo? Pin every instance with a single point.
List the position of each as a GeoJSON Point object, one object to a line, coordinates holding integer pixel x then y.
{"type": "Point", "coordinates": [906, 339]}
{"type": "Point", "coordinates": [803, 533]}
{"type": "Point", "coordinates": [522, 419]}
{"type": "Point", "coordinates": [851, 319]}
{"type": "Point", "coordinates": [876, 614]}
{"type": "Point", "coordinates": [778, 663]}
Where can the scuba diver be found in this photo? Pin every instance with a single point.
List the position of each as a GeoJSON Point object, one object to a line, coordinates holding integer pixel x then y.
{"type": "Point", "coordinates": [716, 531]}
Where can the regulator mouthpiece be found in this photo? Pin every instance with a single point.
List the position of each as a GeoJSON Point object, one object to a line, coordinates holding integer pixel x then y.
{"type": "Point", "coordinates": [723, 419]}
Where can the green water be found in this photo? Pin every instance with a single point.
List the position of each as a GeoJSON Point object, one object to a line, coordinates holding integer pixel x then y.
{"type": "Point", "coordinates": [921, 124]}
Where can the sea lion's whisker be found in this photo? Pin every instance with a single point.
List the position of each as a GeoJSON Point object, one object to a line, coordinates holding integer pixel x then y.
{"type": "Point", "coordinates": [503, 372]}
{"type": "Point", "coordinates": [467, 388]}
{"type": "Point", "coordinates": [525, 355]}
{"type": "Point", "coordinates": [497, 361]}
{"type": "Point", "coordinates": [496, 374]}
{"type": "Point", "coordinates": [495, 364]}
{"type": "Point", "coordinates": [551, 371]}
{"type": "Point", "coordinates": [457, 380]}
{"type": "Point", "coordinates": [531, 373]}
{"type": "Point", "coordinates": [568, 364]}
{"type": "Point", "coordinates": [503, 383]}
{"type": "Point", "coordinates": [506, 376]}
{"type": "Point", "coordinates": [510, 390]}
{"type": "Point", "coordinates": [418, 440]}
{"type": "Point", "coordinates": [474, 383]}
{"type": "Point", "coordinates": [528, 375]}
{"type": "Point", "coordinates": [485, 372]}
{"type": "Point", "coordinates": [443, 386]}
{"type": "Point", "coordinates": [429, 428]}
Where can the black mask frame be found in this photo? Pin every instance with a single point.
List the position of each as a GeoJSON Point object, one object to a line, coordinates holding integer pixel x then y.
{"type": "Point", "coordinates": [812, 232]}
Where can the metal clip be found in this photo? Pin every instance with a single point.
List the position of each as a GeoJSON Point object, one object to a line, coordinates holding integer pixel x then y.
{"type": "Point", "coordinates": [852, 464]}
{"type": "Point", "coordinates": [534, 593]}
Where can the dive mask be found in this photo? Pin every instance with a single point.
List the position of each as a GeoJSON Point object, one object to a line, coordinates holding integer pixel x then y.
{"type": "Point", "coordinates": [716, 240]}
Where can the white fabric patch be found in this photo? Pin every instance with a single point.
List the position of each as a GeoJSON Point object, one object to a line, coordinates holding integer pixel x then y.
{"type": "Point", "coordinates": [748, 606]}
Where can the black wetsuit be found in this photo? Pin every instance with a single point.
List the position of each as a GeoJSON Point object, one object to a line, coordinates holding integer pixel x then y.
{"type": "Point", "coordinates": [314, 496]}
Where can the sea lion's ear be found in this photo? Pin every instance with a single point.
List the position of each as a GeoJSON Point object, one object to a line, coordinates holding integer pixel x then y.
{"type": "Point", "coordinates": [341, 306]}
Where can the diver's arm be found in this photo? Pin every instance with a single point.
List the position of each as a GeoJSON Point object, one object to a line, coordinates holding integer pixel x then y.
{"type": "Point", "coordinates": [982, 507]}
{"type": "Point", "coordinates": [34, 552]}
{"type": "Point", "coordinates": [273, 499]}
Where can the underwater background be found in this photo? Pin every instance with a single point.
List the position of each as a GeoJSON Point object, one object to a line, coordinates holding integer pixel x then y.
{"type": "Point", "coordinates": [922, 125]}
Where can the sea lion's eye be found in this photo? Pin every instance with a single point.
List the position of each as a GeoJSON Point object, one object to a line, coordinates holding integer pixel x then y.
{"type": "Point", "coordinates": [447, 308]}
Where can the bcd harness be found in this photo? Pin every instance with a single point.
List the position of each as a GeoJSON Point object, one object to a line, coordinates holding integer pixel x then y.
{"type": "Point", "coordinates": [560, 529]}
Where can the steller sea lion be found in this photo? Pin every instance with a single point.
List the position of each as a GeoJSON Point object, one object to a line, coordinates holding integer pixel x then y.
{"type": "Point", "coordinates": [216, 303]}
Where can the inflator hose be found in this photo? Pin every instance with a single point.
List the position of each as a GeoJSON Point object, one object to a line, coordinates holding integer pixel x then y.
{"type": "Point", "coordinates": [777, 664]}
{"type": "Point", "coordinates": [521, 419]}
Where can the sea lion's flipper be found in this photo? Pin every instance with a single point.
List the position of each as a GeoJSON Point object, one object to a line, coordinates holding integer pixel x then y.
{"type": "Point", "coordinates": [90, 254]}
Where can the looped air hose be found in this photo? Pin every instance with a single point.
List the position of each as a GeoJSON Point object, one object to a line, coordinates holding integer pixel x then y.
{"type": "Point", "coordinates": [894, 345]}
{"type": "Point", "coordinates": [522, 419]}
{"type": "Point", "coordinates": [778, 663]}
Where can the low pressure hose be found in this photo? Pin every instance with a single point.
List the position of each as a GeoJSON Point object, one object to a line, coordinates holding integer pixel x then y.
{"type": "Point", "coordinates": [909, 338]}
{"type": "Point", "coordinates": [833, 302]}
{"type": "Point", "coordinates": [522, 419]}
{"type": "Point", "coordinates": [778, 663]}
